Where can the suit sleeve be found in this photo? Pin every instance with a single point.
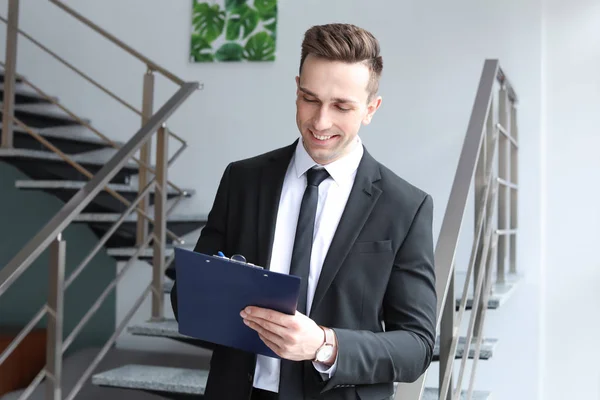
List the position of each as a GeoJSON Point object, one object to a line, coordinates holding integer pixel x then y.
{"type": "Point", "coordinates": [404, 351]}
{"type": "Point", "coordinates": [212, 237]}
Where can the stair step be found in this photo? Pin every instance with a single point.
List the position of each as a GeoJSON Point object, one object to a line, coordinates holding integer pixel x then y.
{"type": "Point", "coordinates": [433, 394]}
{"type": "Point", "coordinates": [25, 94]}
{"type": "Point", "coordinates": [191, 381]}
{"type": "Point", "coordinates": [43, 115]}
{"type": "Point", "coordinates": [125, 253]}
{"type": "Point", "coordinates": [70, 139]}
{"type": "Point", "coordinates": [38, 164]}
{"type": "Point", "coordinates": [168, 328]}
{"type": "Point", "coordinates": [100, 223]}
{"type": "Point", "coordinates": [501, 292]}
{"type": "Point", "coordinates": [77, 133]}
{"type": "Point", "coordinates": [77, 185]}
{"type": "Point", "coordinates": [485, 352]}
{"type": "Point", "coordinates": [113, 217]}
{"type": "Point", "coordinates": [100, 157]}
{"type": "Point", "coordinates": [128, 252]}
{"type": "Point", "coordinates": [104, 202]}
{"type": "Point", "coordinates": [154, 378]}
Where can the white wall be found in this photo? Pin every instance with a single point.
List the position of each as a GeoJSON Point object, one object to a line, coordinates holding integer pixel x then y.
{"type": "Point", "coordinates": [571, 292]}
{"type": "Point", "coordinates": [433, 54]}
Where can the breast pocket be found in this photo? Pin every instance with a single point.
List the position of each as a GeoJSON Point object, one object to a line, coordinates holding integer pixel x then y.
{"type": "Point", "coordinates": [372, 247]}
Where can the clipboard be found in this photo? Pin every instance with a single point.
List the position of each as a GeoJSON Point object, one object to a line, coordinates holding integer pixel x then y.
{"type": "Point", "coordinates": [213, 290]}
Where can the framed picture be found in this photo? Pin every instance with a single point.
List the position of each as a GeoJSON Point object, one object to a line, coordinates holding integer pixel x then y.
{"type": "Point", "coordinates": [233, 30]}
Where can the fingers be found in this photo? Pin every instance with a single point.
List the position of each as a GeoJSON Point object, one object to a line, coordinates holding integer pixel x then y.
{"type": "Point", "coordinates": [274, 317]}
{"type": "Point", "coordinates": [272, 345]}
{"type": "Point", "coordinates": [267, 329]}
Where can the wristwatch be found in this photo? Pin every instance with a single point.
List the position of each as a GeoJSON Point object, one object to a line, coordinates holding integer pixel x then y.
{"type": "Point", "coordinates": [325, 352]}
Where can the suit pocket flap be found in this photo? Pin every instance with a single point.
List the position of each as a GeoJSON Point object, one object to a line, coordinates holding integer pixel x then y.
{"type": "Point", "coordinates": [372, 247]}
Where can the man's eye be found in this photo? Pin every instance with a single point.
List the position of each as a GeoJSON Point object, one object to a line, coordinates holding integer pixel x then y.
{"type": "Point", "coordinates": [309, 100]}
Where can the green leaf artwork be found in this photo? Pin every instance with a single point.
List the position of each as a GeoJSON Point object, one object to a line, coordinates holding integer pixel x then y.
{"type": "Point", "coordinates": [233, 30]}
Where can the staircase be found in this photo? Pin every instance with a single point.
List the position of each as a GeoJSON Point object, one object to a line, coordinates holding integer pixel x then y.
{"type": "Point", "coordinates": [50, 173]}
{"type": "Point", "coordinates": [128, 203]}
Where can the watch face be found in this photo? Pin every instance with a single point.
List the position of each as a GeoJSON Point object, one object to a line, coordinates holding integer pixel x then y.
{"type": "Point", "coordinates": [324, 353]}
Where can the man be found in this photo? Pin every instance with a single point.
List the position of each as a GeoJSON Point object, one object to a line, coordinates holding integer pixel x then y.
{"type": "Point", "coordinates": [360, 237]}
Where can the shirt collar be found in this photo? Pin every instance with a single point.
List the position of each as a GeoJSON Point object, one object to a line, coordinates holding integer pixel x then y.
{"type": "Point", "coordinates": [340, 170]}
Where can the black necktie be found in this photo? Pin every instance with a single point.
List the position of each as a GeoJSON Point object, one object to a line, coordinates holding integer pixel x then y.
{"type": "Point", "coordinates": [291, 378]}
{"type": "Point", "coordinates": [300, 264]}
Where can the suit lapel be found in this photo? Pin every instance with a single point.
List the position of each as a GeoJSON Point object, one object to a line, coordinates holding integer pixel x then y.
{"type": "Point", "coordinates": [270, 185]}
{"type": "Point", "coordinates": [361, 201]}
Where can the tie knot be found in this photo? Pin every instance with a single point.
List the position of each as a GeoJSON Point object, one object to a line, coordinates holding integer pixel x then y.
{"type": "Point", "coordinates": [315, 176]}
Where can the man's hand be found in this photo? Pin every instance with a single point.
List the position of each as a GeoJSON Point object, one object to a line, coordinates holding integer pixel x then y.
{"type": "Point", "coordinates": [293, 337]}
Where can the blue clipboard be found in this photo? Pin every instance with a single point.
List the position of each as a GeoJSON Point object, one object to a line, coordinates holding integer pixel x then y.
{"type": "Point", "coordinates": [213, 290]}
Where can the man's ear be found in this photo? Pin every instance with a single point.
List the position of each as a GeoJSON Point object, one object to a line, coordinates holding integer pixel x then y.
{"type": "Point", "coordinates": [371, 108]}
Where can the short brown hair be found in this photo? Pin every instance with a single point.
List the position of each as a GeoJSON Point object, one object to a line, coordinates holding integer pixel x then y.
{"type": "Point", "coordinates": [347, 43]}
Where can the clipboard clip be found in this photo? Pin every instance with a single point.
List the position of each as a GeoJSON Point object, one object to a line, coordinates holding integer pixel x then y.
{"type": "Point", "coordinates": [237, 258]}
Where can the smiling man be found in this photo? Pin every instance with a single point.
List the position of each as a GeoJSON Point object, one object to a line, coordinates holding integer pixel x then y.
{"type": "Point", "coordinates": [359, 236]}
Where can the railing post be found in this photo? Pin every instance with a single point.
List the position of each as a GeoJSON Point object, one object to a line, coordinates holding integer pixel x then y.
{"type": "Point", "coordinates": [487, 271]}
{"type": "Point", "coordinates": [484, 167]}
{"type": "Point", "coordinates": [54, 333]}
{"type": "Point", "coordinates": [514, 196]}
{"type": "Point", "coordinates": [160, 222]}
{"type": "Point", "coordinates": [10, 71]}
{"type": "Point", "coordinates": [503, 173]}
{"type": "Point", "coordinates": [144, 174]}
{"type": "Point", "coordinates": [447, 332]}
{"type": "Point", "coordinates": [480, 184]}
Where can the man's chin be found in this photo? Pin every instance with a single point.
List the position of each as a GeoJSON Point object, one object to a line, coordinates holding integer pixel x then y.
{"type": "Point", "coordinates": [322, 156]}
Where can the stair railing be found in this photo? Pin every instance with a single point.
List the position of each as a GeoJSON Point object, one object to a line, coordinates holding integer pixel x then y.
{"type": "Point", "coordinates": [147, 101]}
{"type": "Point", "coordinates": [69, 159]}
{"type": "Point", "coordinates": [145, 170]}
{"type": "Point", "coordinates": [488, 160]}
{"type": "Point", "coordinates": [50, 236]}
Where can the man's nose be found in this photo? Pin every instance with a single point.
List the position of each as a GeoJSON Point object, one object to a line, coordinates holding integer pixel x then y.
{"type": "Point", "coordinates": [322, 120]}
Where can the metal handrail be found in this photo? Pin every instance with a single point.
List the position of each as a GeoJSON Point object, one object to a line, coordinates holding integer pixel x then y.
{"type": "Point", "coordinates": [36, 246]}
{"type": "Point", "coordinates": [105, 293]}
{"type": "Point", "coordinates": [85, 172]}
{"type": "Point", "coordinates": [84, 76]}
{"type": "Point", "coordinates": [74, 274]}
{"type": "Point", "coordinates": [147, 103]}
{"type": "Point", "coordinates": [87, 125]}
{"type": "Point", "coordinates": [74, 68]}
{"type": "Point", "coordinates": [100, 245]}
{"type": "Point", "coordinates": [503, 79]}
{"type": "Point", "coordinates": [109, 344]}
{"type": "Point", "coordinates": [487, 238]}
{"type": "Point", "coordinates": [445, 250]}
{"type": "Point", "coordinates": [23, 334]}
{"type": "Point", "coordinates": [481, 237]}
{"type": "Point", "coordinates": [447, 243]}
{"type": "Point", "coordinates": [151, 64]}
{"type": "Point", "coordinates": [486, 295]}
{"type": "Point", "coordinates": [51, 234]}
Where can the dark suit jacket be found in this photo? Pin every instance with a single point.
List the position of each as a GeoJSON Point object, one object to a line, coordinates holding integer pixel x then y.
{"type": "Point", "coordinates": [376, 289]}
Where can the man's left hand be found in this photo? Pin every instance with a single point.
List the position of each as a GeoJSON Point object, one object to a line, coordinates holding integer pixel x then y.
{"type": "Point", "coordinates": [293, 337]}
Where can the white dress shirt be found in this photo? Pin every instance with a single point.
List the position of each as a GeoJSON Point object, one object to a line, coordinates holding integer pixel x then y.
{"type": "Point", "coordinates": [333, 195]}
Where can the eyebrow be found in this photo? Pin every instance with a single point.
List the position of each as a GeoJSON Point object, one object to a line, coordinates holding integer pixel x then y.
{"type": "Point", "coordinates": [336, 99]}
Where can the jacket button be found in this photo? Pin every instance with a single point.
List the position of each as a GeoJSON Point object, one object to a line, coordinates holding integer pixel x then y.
{"type": "Point", "coordinates": [250, 378]}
